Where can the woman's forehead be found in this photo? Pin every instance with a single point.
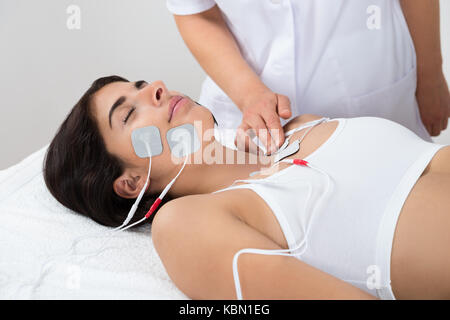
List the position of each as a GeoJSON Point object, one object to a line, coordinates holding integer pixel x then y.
{"type": "Point", "coordinates": [105, 97]}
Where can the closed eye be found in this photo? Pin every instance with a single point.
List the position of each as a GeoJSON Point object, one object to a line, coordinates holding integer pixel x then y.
{"type": "Point", "coordinates": [128, 115]}
{"type": "Point", "coordinates": [138, 84]}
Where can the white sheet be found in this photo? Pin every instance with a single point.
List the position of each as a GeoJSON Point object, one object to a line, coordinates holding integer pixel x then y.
{"type": "Point", "coordinates": [34, 228]}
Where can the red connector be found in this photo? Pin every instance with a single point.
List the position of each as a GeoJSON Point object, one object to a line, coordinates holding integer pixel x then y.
{"type": "Point", "coordinates": [153, 208]}
{"type": "Point", "coordinates": [300, 162]}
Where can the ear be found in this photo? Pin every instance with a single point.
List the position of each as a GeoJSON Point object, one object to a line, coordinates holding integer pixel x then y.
{"type": "Point", "coordinates": [129, 185]}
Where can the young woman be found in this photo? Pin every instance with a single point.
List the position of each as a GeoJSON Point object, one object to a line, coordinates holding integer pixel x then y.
{"type": "Point", "coordinates": [366, 215]}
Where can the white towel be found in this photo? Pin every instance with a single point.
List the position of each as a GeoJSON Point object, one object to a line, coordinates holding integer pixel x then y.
{"type": "Point", "coordinates": [35, 228]}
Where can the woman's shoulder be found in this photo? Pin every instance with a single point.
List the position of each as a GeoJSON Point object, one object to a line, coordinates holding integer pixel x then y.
{"type": "Point", "coordinates": [189, 208]}
{"type": "Point", "coordinates": [205, 200]}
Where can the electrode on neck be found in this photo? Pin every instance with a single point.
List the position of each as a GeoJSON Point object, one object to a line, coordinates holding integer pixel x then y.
{"type": "Point", "coordinates": [183, 140]}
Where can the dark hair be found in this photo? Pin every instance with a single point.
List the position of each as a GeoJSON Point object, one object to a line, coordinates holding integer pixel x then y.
{"type": "Point", "coordinates": [79, 171]}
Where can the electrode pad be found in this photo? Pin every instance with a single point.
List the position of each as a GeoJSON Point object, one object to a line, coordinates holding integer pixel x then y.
{"type": "Point", "coordinates": [147, 135]}
{"type": "Point", "coordinates": [287, 151]}
{"type": "Point", "coordinates": [183, 140]}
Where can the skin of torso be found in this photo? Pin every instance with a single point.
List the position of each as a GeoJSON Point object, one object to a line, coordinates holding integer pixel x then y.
{"type": "Point", "coordinates": [249, 207]}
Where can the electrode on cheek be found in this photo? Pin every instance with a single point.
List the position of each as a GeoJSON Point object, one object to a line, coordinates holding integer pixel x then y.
{"type": "Point", "coordinates": [182, 140]}
{"type": "Point", "coordinates": [146, 138]}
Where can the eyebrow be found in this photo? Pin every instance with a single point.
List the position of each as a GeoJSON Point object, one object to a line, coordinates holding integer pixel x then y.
{"type": "Point", "coordinates": [114, 107]}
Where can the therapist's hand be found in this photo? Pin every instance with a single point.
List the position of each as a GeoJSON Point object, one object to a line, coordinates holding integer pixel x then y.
{"type": "Point", "coordinates": [261, 113]}
{"type": "Point", "coordinates": [433, 98]}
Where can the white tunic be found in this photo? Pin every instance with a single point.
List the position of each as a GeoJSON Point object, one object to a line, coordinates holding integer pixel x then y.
{"type": "Point", "coordinates": [340, 58]}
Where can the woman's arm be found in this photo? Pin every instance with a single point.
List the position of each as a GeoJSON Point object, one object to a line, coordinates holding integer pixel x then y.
{"type": "Point", "coordinates": [207, 36]}
{"type": "Point", "coordinates": [197, 240]}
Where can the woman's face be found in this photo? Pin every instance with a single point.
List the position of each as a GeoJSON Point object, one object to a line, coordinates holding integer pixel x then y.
{"type": "Point", "coordinates": [121, 107]}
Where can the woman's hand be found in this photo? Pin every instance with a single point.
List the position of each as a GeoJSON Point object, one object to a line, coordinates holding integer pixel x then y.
{"type": "Point", "coordinates": [433, 98]}
{"type": "Point", "coordinates": [261, 114]}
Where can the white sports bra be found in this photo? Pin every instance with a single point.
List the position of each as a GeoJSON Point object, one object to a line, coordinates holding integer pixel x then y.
{"type": "Point", "coordinates": [338, 208]}
{"type": "Point", "coordinates": [279, 180]}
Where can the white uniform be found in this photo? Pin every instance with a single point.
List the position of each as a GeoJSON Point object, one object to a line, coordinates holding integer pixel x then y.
{"type": "Point", "coordinates": [339, 58]}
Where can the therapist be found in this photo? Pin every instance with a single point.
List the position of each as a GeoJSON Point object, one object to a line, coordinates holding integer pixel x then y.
{"type": "Point", "coordinates": [267, 59]}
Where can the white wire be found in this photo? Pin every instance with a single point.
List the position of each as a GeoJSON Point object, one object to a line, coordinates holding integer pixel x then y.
{"type": "Point", "coordinates": [309, 124]}
{"type": "Point", "coordinates": [141, 194]}
{"type": "Point", "coordinates": [303, 243]}
{"type": "Point", "coordinates": [281, 252]}
{"type": "Point", "coordinates": [71, 251]}
{"type": "Point", "coordinates": [166, 189]}
{"type": "Point", "coordinates": [161, 196]}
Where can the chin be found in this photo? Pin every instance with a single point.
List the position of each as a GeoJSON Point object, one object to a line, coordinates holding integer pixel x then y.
{"type": "Point", "coordinates": [202, 119]}
{"type": "Point", "coordinates": [198, 113]}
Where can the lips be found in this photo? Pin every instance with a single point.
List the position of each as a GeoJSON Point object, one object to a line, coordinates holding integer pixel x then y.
{"type": "Point", "coordinates": [172, 104]}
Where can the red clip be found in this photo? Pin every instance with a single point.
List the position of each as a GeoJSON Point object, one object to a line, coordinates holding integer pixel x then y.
{"type": "Point", "coordinates": [300, 162]}
{"type": "Point", "coordinates": [153, 208]}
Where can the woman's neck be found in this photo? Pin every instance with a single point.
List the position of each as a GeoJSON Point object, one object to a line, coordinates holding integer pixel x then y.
{"type": "Point", "coordinates": [219, 167]}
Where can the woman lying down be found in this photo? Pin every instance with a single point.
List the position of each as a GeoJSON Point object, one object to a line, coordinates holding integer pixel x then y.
{"type": "Point", "coordinates": [348, 209]}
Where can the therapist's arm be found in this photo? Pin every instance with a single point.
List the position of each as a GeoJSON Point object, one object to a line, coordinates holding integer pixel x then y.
{"type": "Point", "coordinates": [432, 92]}
{"type": "Point", "coordinates": [207, 36]}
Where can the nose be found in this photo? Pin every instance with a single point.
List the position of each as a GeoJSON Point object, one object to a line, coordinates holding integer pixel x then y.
{"type": "Point", "coordinates": [157, 92]}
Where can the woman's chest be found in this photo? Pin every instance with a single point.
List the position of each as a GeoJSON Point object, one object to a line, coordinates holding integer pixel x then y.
{"type": "Point", "coordinates": [253, 208]}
